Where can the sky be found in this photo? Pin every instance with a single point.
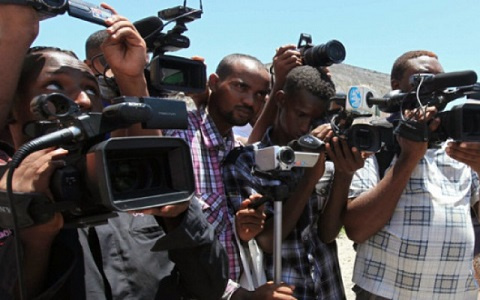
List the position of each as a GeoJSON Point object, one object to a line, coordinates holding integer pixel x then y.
{"type": "Point", "coordinates": [374, 32]}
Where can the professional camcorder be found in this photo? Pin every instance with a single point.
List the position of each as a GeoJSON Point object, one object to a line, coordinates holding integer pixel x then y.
{"type": "Point", "coordinates": [323, 55]}
{"type": "Point", "coordinates": [166, 72]}
{"type": "Point", "coordinates": [75, 8]}
{"type": "Point", "coordinates": [105, 176]}
{"type": "Point", "coordinates": [460, 123]}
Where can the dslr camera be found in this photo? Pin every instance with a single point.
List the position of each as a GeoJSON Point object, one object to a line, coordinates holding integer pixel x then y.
{"type": "Point", "coordinates": [102, 176]}
{"type": "Point", "coordinates": [323, 55]}
{"type": "Point", "coordinates": [167, 73]}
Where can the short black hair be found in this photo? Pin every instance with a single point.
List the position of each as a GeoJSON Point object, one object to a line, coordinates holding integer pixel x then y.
{"type": "Point", "coordinates": [311, 79]}
{"type": "Point", "coordinates": [225, 67]}
{"type": "Point", "coordinates": [38, 49]}
{"type": "Point", "coordinates": [31, 60]}
{"type": "Point", "coordinates": [401, 63]}
{"type": "Point", "coordinates": [94, 41]}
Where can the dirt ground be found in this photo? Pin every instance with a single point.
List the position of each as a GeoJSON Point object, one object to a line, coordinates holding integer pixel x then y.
{"type": "Point", "coordinates": [346, 256]}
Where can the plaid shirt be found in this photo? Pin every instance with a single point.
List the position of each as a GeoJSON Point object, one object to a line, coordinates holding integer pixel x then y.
{"type": "Point", "coordinates": [307, 263]}
{"type": "Point", "coordinates": [208, 149]}
{"type": "Point", "coordinates": [425, 251]}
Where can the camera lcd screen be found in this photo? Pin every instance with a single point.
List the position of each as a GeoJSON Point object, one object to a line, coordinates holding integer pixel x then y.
{"type": "Point", "coordinates": [173, 73]}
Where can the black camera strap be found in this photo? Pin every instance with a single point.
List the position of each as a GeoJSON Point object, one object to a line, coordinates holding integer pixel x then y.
{"type": "Point", "coordinates": [94, 245]}
{"type": "Point", "coordinates": [384, 159]}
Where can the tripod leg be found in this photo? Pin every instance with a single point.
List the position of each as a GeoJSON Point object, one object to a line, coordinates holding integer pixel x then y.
{"type": "Point", "coordinates": [277, 241]}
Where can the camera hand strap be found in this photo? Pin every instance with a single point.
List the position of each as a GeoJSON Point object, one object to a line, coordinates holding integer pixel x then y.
{"type": "Point", "coordinates": [31, 208]}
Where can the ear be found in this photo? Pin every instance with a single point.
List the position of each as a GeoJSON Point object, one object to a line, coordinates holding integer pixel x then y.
{"type": "Point", "coordinates": [280, 98]}
{"type": "Point", "coordinates": [88, 62]}
{"type": "Point", "coordinates": [395, 84]}
{"type": "Point", "coordinates": [213, 79]}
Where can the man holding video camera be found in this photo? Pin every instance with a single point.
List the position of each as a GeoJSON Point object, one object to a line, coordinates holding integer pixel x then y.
{"type": "Point", "coordinates": [309, 224]}
{"type": "Point", "coordinates": [413, 227]}
{"type": "Point", "coordinates": [237, 91]}
{"type": "Point", "coordinates": [65, 263]}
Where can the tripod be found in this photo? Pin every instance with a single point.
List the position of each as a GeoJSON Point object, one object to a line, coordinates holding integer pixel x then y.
{"type": "Point", "coordinates": [277, 193]}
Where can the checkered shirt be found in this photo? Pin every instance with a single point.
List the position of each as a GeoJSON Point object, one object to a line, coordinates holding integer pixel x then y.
{"type": "Point", "coordinates": [425, 251]}
{"type": "Point", "coordinates": [307, 263]}
{"type": "Point", "coordinates": [208, 149]}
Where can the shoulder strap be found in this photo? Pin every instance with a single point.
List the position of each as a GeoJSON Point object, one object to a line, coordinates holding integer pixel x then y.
{"type": "Point", "coordinates": [94, 244]}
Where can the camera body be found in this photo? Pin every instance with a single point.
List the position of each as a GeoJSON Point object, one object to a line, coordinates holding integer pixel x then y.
{"type": "Point", "coordinates": [460, 123]}
{"type": "Point", "coordinates": [118, 174]}
{"type": "Point", "coordinates": [323, 55]}
{"type": "Point", "coordinates": [283, 158]}
{"type": "Point", "coordinates": [302, 152]}
{"type": "Point", "coordinates": [122, 174]}
{"type": "Point", "coordinates": [371, 137]}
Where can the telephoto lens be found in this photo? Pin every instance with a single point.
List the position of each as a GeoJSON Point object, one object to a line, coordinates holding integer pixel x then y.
{"type": "Point", "coordinates": [332, 52]}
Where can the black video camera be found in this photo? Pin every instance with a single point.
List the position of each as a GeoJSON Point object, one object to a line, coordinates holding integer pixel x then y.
{"type": "Point", "coordinates": [104, 176]}
{"type": "Point", "coordinates": [167, 73]}
{"type": "Point", "coordinates": [369, 137]}
{"type": "Point", "coordinates": [323, 55]}
{"type": "Point", "coordinates": [75, 8]}
{"type": "Point", "coordinates": [461, 123]}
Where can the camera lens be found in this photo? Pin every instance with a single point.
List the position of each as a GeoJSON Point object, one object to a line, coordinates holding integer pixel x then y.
{"type": "Point", "coordinates": [130, 175]}
{"type": "Point", "coordinates": [286, 155]}
{"type": "Point", "coordinates": [325, 54]}
{"type": "Point", "coordinates": [55, 4]}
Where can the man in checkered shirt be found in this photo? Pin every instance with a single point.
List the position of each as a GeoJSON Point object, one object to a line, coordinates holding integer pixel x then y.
{"type": "Point", "coordinates": [310, 221]}
{"type": "Point", "coordinates": [413, 226]}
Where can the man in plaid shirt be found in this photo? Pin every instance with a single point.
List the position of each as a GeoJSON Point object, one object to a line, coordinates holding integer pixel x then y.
{"type": "Point", "coordinates": [238, 90]}
{"type": "Point", "coordinates": [309, 224]}
{"type": "Point", "coordinates": [413, 226]}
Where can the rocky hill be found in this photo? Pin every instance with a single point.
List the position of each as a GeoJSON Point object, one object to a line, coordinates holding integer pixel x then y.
{"type": "Point", "coordinates": [344, 76]}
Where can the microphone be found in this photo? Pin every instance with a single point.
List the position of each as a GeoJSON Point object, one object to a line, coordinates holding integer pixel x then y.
{"type": "Point", "coordinates": [390, 103]}
{"type": "Point", "coordinates": [442, 81]}
{"type": "Point", "coordinates": [149, 28]}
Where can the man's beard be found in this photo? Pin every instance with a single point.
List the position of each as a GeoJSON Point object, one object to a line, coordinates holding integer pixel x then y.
{"type": "Point", "coordinates": [237, 121]}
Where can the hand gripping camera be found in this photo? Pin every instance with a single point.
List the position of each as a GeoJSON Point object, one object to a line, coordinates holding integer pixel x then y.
{"type": "Point", "coordinates": [105, 176]}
